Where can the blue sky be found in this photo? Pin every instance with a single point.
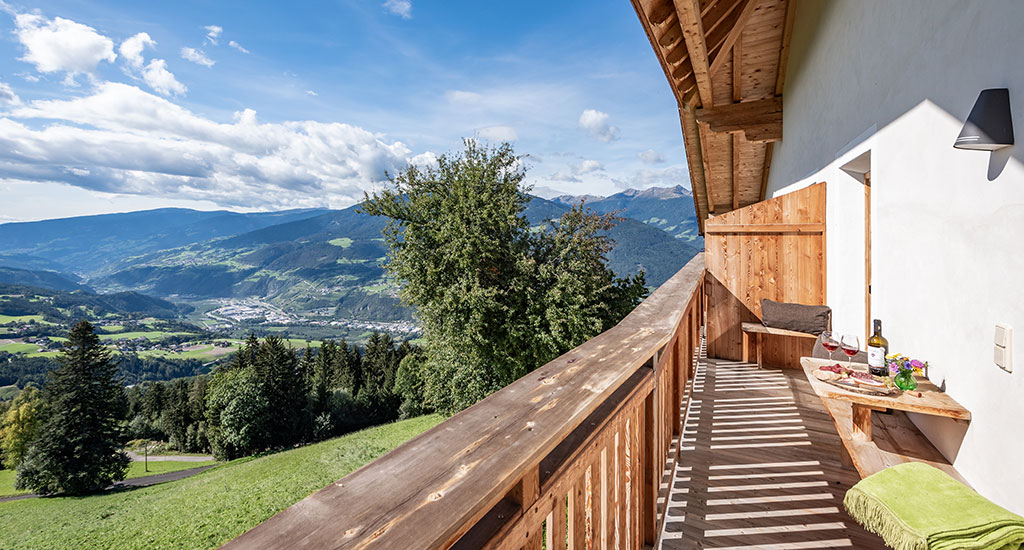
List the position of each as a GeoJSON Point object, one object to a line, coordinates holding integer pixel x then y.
{"type": "Point", "coordinates": [114, 106]}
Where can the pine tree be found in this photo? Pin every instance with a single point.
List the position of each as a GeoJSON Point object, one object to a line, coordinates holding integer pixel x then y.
{"type": "Point", "coordinates": [78, 449]}
{"type": "Point", "coordinates": [277, 371]}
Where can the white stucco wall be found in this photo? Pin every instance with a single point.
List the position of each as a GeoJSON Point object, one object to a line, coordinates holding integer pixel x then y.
{"type": "Point", "coordinates": [898, 79]}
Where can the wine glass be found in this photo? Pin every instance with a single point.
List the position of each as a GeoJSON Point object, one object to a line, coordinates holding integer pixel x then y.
{"type": "Point", "coordinates": [829, 343]}
{"type": "Point", "coordinates": [851, 345]}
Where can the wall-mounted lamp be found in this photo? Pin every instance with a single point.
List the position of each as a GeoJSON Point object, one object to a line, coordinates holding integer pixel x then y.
{"type": "Point", "coordinates": [989, 126]}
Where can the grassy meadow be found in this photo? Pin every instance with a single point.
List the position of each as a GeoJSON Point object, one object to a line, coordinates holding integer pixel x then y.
{"type": "Point", "coordinates": [202, 511]}
{"type": "Point", "coordinates": [135, 469]}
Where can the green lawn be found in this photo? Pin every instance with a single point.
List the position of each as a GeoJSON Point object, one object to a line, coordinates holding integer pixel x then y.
{"type": "Point", "coordinates": [203, 511]}
{"type": "Point", "coordinates": [150, 334]}
{"type": "Point", "coordinates": [20, 318]}
{"type": "Point", "coordinates": [207, 351]}
{"type": "Point", "coordinates": [343, 242]}
{"type": "Point", "coordinates": [7, 484]}
{"type": "Point", "coordinates": [19, 347]}
{"type": "Point", "coordinates": [136, 469]}
{"type": "Point", "coordinates": [8, 392]}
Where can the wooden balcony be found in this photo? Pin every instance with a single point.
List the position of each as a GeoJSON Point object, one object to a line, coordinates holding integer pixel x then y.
{"type": "Point", "coordinates": [575, 452]}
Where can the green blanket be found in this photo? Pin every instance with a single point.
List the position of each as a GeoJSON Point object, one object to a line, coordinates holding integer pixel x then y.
{"type": "Point", "coordinates": [914, 506]}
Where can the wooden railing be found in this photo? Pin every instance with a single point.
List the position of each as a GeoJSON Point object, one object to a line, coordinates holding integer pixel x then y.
{"type": "Point", "coordinates": [574, 451]}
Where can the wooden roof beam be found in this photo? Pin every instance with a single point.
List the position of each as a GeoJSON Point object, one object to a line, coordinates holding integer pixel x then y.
{"type": "Point", "coordinates": [759, 120]}
{"type": "Point", "coordinates": [654, 14]}
{"type": "Point", "coordinates": [688, 12]}
{"type": "Point", "coordinates": [726, 35]}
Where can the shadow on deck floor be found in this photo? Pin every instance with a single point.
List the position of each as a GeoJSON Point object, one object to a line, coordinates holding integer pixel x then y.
{"type": "Point", "coordinates": [759, 466]}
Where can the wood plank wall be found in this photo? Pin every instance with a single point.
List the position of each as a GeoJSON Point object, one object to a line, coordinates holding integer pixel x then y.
{"type": "Point", "coordinates": [774, 249]}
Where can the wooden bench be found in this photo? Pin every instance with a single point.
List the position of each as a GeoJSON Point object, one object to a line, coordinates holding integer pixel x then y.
{"type": "Point", "coordinates": [760, 331]}
{"type": "Point", "coordinates": [874, 442]}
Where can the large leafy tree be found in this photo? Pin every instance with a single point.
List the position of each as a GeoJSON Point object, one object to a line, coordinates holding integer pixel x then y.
{"type": "Point", "coordinates": [495, 298]}
{"type": "Point", "coordinates": [78, 447]}
{"type": "Point", "coordinates": [19, 426]}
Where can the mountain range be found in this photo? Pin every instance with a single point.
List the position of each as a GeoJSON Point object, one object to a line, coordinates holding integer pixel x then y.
{"type": "Point", "coordinates": [324, 263]}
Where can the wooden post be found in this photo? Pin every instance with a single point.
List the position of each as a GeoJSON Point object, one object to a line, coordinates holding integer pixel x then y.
{"type": "Point", "coordinates": [651, 475]}
{"type": "Point", "coordinates": [556, 533]}
{"type": "Point", "coordinates": [526, 495]}
{"type": "Point", "coordinates": [861, 422]}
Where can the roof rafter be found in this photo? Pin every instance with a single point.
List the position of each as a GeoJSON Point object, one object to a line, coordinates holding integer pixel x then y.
{"type": "Point", "coordinates": [739, 20]}
{"type": "Point", "coordinates": [688, 12]}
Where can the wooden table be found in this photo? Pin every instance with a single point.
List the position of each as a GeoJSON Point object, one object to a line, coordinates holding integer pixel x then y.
{"type": "Point", "coordinates": [932, 400]}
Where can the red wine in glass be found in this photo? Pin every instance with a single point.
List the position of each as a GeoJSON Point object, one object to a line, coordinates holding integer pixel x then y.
{"type": "Point", "coordinates": [829, 343]}
{"type": "Point", "coordinates": [851, 345]}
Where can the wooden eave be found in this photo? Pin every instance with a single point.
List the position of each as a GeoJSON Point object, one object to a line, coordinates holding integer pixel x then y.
{"type": "Point", "coordinates": [725, 61]}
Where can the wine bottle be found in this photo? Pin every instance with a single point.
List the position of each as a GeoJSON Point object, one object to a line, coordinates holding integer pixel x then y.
{"type": "Point", "coordinates": [878, 348]}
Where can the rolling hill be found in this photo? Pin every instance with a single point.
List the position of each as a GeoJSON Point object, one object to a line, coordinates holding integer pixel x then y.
{"type": "Point", "coordinates": [315, 264]}
{"type": "Point", "coordinates": [86, 244]}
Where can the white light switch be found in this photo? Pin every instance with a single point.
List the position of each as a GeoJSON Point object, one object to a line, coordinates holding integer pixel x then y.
{"type": "Point", "coordinates": [1003, 347]}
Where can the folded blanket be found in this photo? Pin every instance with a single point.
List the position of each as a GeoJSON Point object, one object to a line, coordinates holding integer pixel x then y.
{"type": "Point", "coordinates": [914, 506]}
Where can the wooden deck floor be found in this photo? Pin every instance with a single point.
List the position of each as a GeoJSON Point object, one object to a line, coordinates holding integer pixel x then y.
{"type": "Point", "coordinates": [759, 466]}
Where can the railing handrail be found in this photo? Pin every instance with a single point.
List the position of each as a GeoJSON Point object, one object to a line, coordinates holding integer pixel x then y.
{"type": "Point", "coordinates": [430, 491]}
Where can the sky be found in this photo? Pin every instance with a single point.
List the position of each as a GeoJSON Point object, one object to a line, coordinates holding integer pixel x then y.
{"type": "Point", "coordinates": [116, 106]}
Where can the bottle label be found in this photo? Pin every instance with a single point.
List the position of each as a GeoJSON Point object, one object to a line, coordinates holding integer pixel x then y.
{"type": "Point", "coordinates": [876, 357]}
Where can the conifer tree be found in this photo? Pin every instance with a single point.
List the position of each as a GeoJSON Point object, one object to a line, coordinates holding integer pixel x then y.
{"type": "Point", "coordinates": [78, 448]}
{"type": "Point", "coordinates": [277, 372]}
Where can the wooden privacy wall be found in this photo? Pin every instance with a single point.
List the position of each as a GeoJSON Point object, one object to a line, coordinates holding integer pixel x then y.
{"type": "Point", "coordinates": [774, 249]}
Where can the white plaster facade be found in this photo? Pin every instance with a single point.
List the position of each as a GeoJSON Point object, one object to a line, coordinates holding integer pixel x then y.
{"type": "Point", "coordinates": [947, 226]}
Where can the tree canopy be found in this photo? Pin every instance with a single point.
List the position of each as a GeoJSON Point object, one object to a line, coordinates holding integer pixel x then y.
{"type": "Point", "coordinates": [495, 296]}
{"type": "Point", "coordinates": [78, 445]}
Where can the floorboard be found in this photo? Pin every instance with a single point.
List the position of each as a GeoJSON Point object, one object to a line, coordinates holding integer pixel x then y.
{"type": "Point", "coordinates": [759, 466]}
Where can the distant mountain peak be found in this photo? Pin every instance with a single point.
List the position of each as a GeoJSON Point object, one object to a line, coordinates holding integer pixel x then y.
{"type": "Point", "coordinates": [657, 192]}
{"type": "Point", "coordinates": [661, 193]}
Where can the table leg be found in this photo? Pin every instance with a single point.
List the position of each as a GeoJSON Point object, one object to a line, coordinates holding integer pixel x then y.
{"type": "Point", "coordinates": [760, 342]}
{"type": "Point", "coordinates": [746, 347]}
{"type": "Point", "coordinates": [862, 422]}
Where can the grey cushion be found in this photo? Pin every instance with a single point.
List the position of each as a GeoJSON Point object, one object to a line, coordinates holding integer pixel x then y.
{"type": "Point", "coordinates": [796, 317]}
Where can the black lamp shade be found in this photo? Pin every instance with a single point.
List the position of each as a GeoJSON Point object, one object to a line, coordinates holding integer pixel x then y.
{"type": "Point", "coordinates": [989, 126]}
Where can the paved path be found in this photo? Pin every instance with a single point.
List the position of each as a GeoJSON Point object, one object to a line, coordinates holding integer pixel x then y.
{"type": "Point", "coordinates": [136, 457]}
{"type": "Point", "coordinates": [135, 482]}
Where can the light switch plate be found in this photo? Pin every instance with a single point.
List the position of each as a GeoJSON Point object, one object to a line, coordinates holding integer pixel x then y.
{"type": "Point", "coordinates": [1002, 351]}
{"type": "Point", "coordinates": [1004, 334]}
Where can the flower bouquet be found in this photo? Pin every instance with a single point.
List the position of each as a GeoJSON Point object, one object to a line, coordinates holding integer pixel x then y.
{"type": "Point", "coordinates": [903, 370]}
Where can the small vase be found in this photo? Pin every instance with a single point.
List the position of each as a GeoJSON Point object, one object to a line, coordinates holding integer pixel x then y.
{"type": "Point", "coordinates": [905, 380]}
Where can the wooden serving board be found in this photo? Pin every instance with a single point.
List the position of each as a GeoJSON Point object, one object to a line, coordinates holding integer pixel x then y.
{"type": "Point", "coordinates": [887, 392]}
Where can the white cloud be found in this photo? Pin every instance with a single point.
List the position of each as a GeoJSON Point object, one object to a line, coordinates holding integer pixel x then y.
{"type": "Point", "coordinates": [131, 49]}
{"type": "Point", "coordinates": [462, 96]}
{"type": "Point", "coordinates": [121, 139]}
{"type": "Point", "coordinates": [212, 32]}
{"type": "Point", "coordinates": [62, 45]}
{"type": "Point", "coordinates": [237, 46]}
{"type": "Point", "coordinates": [427, 159]}
{"type": "Point", "coordinates": [312, 93]}
{"type": "Point", "coordinates": [497, 133]}
{"type": "Point", "coordinates": [669, 176]}
{"type": "Point", "coordinates": [401, 8]}
{"type": "Point", "coordinates": [161, 80]}
{"type": "Point", "coordinates": [588, 166]}
{"type": "Point", "coordinates": [565, 176]}
{"type": "Point", "coordinates": [7, 95]}
{"type": "Point", "coordinates": [197, 57]}
{"type": "Point", "coordinates": [650, 156]}
{"type": "Point", "coordinates": [596, 122]}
